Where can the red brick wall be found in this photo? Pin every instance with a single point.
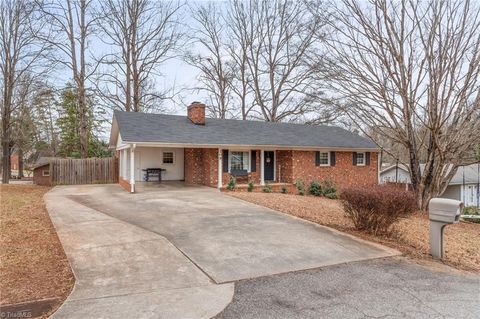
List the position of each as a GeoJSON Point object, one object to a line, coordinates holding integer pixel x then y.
{"type": "Point", "coordinates": [124, 184]}
{"type": "Point", "coordinates": [344, 173]}
{"type": "Point", "coordinates": [201, 167]}
{"type": "Point", "coordinates": [38, 177]}
{"type": "Point", "coordinates": [193, 161]}
{"type": "Point", "coordinates": [210, 166]}
{"type": "Point", "coordinates": [284, 166]}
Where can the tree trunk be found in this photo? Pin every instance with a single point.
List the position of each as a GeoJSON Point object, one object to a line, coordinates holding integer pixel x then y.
{"type": "Point", "coordinates": [423, 200]}
{"type": "Point", "coordinates": [5, 161]}
{"type": "Point", "coordinates": [81, 84]}
{"type": "Point", "coordinates": [83, 122]}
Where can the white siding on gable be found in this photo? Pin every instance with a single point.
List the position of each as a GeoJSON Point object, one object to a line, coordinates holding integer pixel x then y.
{"type": "Point", "coordinates": [120, 141]}
{"type": "Point", "coordinates": [390, 176]}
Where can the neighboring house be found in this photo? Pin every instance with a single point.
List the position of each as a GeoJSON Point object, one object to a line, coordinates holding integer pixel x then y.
{"type": "Point", "coordinates": [464, 185]}
{"type": "Point", "coordinates": [209, 151]}
{"type": "Point", "coordinates": [14, 165]}
{"type": "Point", "coordinates": [395, 174]}
{"type": "Point", "coordinates": [14, 162]}
{"type": "Point", "coordinates": [41, 171]}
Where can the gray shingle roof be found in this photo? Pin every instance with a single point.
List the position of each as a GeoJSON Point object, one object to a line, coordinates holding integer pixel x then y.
{"type": "Point", "coordinates": [162, 128]}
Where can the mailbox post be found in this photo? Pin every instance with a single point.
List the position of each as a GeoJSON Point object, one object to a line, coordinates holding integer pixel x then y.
{"type": "Point", "coordinates": [441, 212]}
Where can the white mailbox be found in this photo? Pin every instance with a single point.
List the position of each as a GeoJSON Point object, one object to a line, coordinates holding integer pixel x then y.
{"type": "Point", "coordinates": [441, 212]}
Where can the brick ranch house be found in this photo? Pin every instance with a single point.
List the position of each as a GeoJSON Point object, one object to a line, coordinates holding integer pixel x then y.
{"type": "Point", "coordinates": [208, 151]}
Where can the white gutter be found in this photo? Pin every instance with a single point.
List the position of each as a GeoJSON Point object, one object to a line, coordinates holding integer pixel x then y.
{"type": "Point", "coordinates": [246, 146]}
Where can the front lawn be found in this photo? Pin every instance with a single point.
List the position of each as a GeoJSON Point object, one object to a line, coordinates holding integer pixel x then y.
{"type": "Point", "coordinates": [33, 265]}
{"type": "Point", "coordinates": [412, 236]}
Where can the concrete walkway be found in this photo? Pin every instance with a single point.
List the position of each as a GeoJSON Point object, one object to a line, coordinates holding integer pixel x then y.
{"type": "Point", "coordinates": [124, 271]}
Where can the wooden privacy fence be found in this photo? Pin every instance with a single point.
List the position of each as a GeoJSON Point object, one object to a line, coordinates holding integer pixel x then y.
{"type": "Point", "coordinates": [84, 171]}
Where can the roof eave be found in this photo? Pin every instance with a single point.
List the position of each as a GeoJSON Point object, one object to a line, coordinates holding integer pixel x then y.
{"type": "Point", "coordinates": [253, 146]}
{"type": "Point", "coordinates": [113, 134]}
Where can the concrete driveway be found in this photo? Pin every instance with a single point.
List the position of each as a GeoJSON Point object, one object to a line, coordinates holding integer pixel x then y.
{"type": "Point", "coordinates": [124, 271]}
{"type": "Point", "coordinates": [228, 239]}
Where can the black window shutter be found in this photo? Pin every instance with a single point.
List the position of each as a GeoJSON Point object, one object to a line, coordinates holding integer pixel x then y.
{"type": "Point", "coordinates": [253, 161]}
{"type": "Point", "coordinates": [317, 158]}
{"type": "Point", "coordinates": [225, 161]}
{"type": "Point", "coordinates": [367, 158]}
{"type": "Point", "coordinates": [332, 158]}
{"type": "Point", "coordinates": [354, 158]}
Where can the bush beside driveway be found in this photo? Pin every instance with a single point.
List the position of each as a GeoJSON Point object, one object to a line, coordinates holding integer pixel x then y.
{"type": "Point", "coordinates": [411, 237]}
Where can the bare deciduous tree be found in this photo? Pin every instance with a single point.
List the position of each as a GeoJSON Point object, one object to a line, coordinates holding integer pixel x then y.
{"type": "Point", "coordinates": [410, 70]}
{"type": "Point", "coordinates": [215, 70]}
{"type": "Point", "coordinates": [20, 53]}
{"type": "Point", "coordinates": [45, 113]}
{"type": "Point", "coordinates": [24, 123]}
{"type": "Point", "coordinates": [143, 35]}
{"type": "Point", "coordinates": [256, 60]}
{"type": "Point", "coordinates": [279, 35]}
{"type": "Point", "coordinates": [72, 24]}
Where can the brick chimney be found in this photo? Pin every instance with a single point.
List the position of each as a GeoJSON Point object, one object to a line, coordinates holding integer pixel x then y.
{"type": "Point", "coordinates": [196, 113]}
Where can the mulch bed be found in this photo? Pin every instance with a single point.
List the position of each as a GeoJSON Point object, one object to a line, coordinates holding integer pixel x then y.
{"type": "Point", "coordinates": [462, 245]}
{"type": "Point", "coordinates": [34, 270]}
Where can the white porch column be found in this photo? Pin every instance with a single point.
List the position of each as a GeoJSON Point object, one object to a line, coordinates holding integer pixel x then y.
{"type": "Point", "coordinates": [262, 173]}
{"type": "Point", "coordinates": [132, 168]}
{"type": "Point", "coordinates": [220, 169]}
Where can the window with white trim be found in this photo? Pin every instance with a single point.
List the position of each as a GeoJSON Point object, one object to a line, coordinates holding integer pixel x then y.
{"type": "Point", "coordinates": [45, 172]}
{"type": "Point", "coordinates": [324, 159]}
{"type": "Point", "coordinates": [360, 159]}
{"type": "Point", "coordinates": [239, 160]}
{"type": "Point", "coordinates": [168, 158]}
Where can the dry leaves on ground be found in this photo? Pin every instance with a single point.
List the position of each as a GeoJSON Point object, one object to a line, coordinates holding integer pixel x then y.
{"type": "Point", "coordinates": [462, 249]}
{"type": "Point", "coordinates": [33, 264]}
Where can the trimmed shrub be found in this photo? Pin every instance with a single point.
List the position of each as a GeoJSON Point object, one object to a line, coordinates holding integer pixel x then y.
{"type": "Point", "coordinates": [300, 187]}
{"type": "Point", "coordinates": [284, 189]}
{"type": "Point", "coordinates": [267, 188]}
{"type": "Point", "coordinates": [315, 188]}
{"type": "Point", "coordinates": [330, 195]}
{"type": "Point", "coordinates": [471, 210]}
{"type": "Point", "coordinates": [375, 209]}
{"type": "Point", "coordinates": [232, 183]}
{"type": "Point", "coordinates": [328, 187]}
{"type": "Point", "coordinates": [250, 186]}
